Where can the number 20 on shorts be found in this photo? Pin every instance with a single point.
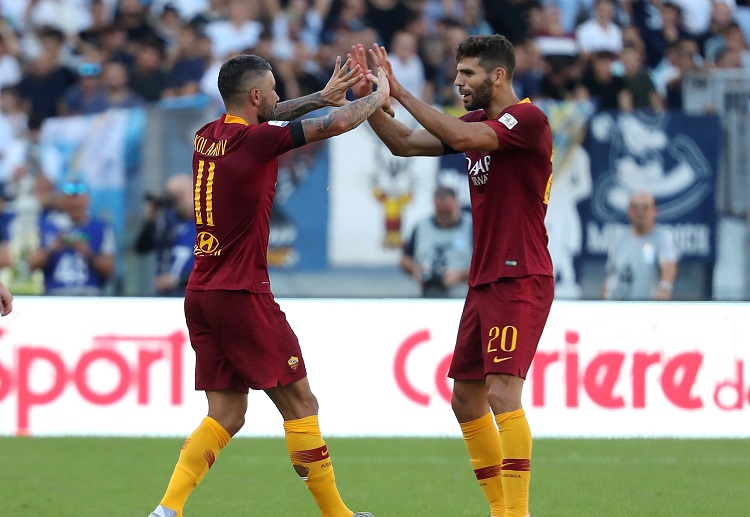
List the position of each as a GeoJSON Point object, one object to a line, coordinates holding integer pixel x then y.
{"type": "Point", "coordinates": [508, 338]}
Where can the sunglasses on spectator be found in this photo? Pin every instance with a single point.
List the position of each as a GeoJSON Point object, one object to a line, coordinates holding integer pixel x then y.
{"type": "Point", "coordinates": [74, 189]}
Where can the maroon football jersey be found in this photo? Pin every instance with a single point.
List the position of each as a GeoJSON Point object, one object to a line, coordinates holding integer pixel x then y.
{"type": "Point", "coordinates": [235, 166]}
{"type": "Point", "coordinates": [509, 195]}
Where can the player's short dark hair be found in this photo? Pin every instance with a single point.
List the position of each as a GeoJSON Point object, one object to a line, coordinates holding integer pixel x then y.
{"type": "Point", "coordinates": [239, 74]}
{"type": "Point", "coordinates": [493, 51]}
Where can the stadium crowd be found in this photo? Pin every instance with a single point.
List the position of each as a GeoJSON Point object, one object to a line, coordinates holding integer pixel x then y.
{"type": "Point", "coordinates": [70, 57]}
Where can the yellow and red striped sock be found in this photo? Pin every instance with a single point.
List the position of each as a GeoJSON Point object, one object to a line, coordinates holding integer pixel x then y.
{"type": "Point", "coordinates": [310, 458]}
{"type": "Point", "coordinates": [515, 439]}
{"type": "Point", "coordinates": [198, 454]}
{"type": "Point", "coordinates": [483, 444]}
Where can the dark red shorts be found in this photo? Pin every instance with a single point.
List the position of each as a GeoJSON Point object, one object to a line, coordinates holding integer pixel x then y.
{"type": "Point", "coordinates": [500, 327]}
{"type": "Point", "coordinates": [241, 340]}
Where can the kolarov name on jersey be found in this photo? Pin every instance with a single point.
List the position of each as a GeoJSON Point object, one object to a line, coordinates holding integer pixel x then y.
{"type": "Point", "coordinates": [215, 149]}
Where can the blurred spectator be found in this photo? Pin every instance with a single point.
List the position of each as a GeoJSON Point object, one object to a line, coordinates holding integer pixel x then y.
{"type": "Point", "coordinates": [438, 253]}
{"type": "Point", "coordinates": [189, 64]}
{"type": "Point", "coordinates": [77, 251]}
{"type": "Point", "coordinates": [688, 59]}
{"type": "Point", "coordinates": [131, 15]}
{"type": "Point", "coordinates": [607, 91]}
{"type": "Point", "coordinates": [697, 14]}
{"type": "Point", "coordinates": [211, 11]}
{"type": "Point", "coordinates": [600, 33]}
{"type": "Point", "coordinates": [299, 22]}
{"type": "Point", "coordinates": [527, 77]}
{"type": "Point", "coordinates": [735, 41]}
{"type": "Point", "coordinates": [117, 93]}
{"type": "Point", "coordinates": [714, 39]}
{"type": "Point", "coordinates": [241, 30]}
{"type": "Point", "coordinates": [169, 231]}
{"type": "Point", "coordinates": [660, 25]}
{"type": "Point", "coordinates": [42, 87]}
{"type": "Point", "coordinates": [68, 16]}
{"type": "Point", "coordinates": [642, 262]}
{"type": "Point", "coordinates": [638, 81]}
{"type": "Point", "coordinates": [113, 45]}
{"type": "Point", "coordinates": [509, 17]}
{"type": "Point", "coordinates": [440, 55]}
{"type": "Point", "coordinates": [388, 17]}
{"type": "Point", "coordinates": [11, 112]}
{"type": "Point", "coordinates": [406, 64]}
{"type": "Point", "coordinates": [187, 9]}
{"type": "Point", "coordinates": [87, 95]}
{"type": "Point", "coordinates": [473, 18]}
{"type": "Point", "coordinates": [27, 159]}
{"type": "Point", "coordinates": [10, 69]}
{"type": "Point", "coordinates": [147, 78]}
{"type": "Point", "coordinates": [562, 78]}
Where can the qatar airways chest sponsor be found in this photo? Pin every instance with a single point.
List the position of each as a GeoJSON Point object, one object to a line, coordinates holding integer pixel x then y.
{"type": "Point", "coordinates": [378, 367]}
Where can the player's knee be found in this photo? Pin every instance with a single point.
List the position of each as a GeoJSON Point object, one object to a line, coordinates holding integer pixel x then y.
{"type": "Point", "coordinates": [503, 400]}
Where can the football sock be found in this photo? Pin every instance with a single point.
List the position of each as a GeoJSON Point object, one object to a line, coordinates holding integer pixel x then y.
{"type": "Point", "coordinates": [310, 458]}
{"type": "Point", "coordinates": [198, 454]}
{"type": "Point", "coordinates": [515, 439]}
{"type": "Point", "coordinates": [483, 443]}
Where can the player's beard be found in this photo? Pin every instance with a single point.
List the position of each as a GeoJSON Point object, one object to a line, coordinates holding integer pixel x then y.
{"type": "Point", "coordinates": [481, 97]}
{"type": "Point", "coordinates": [266, 111]}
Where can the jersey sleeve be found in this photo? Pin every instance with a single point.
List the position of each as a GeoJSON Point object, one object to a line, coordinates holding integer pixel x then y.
{"type": "Point", "coordinates": [518, 129]}
{"type": "Point", "coordinates": [275, 137]}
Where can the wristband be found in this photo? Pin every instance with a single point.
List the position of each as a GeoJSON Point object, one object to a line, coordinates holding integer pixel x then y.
{"type": "Point", "coordinates": [666, 286]}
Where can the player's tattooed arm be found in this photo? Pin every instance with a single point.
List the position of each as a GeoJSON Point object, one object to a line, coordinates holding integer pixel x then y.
{"type": "Point", "coordinates": [295, 108]}
{"type": "Point", "coordinates": [343, 119]}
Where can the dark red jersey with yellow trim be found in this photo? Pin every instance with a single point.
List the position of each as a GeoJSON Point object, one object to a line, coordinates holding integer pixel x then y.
{"type": "Point", "coordinates": [509, 194]}
{"type": "Point", "coordinates": [235, 166]}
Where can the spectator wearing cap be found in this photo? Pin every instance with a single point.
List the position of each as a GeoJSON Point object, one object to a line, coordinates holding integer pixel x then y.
{"type": "Point", "coordinates": [87, 95]}
{"type": "Point", "coordinates": [438, 253]}
{"type": "Point", "coordinates": [76, 252]}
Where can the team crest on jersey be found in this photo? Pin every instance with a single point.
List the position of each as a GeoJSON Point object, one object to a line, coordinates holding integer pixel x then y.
{"type": "Point", "coordinates": [280, 123]}
{"type": "Point", "coordinates": [293, 363]}
{"type": "Point", "coordinates": [508, 120]}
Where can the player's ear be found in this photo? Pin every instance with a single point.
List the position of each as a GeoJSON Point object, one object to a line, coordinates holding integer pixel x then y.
{"type": "Point", "coordinates": [254, 96]}
{"type": "Point", "coordinates": [498, 75]}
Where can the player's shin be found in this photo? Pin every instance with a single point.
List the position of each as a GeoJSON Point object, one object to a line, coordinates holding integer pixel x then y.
{"type": "Point", "coordinates": [311, 460]}
{"type": "Point", "coordinates": [515, 439]}
{"type": "Point", "coordinates": [198, 454]}
{"type": "Point", "coordinates": [483, 444]}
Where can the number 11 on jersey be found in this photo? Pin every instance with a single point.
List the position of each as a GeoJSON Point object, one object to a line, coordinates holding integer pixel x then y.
{"type": "Point", "coordinates": [209, 193]}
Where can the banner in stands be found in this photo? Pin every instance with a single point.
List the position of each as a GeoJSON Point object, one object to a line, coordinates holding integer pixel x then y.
{"type": "Point", "coordinates": [674, 156]}
{"type": "Point", "coordinates": [124, 367]}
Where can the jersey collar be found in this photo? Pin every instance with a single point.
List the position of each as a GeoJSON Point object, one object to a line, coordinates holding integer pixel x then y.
{"type": "Point", "coordinates": [525, 101]}
{"type": "Point", "coordinates": [231, 119]}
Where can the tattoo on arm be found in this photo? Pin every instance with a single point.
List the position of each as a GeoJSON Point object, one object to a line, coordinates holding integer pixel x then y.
{"type": "Point", "coordinates": [292, 109]}
{"type": "Point", "coordinates": [342, 119]}
{"type": "Point", "coordinates": [354, 113]}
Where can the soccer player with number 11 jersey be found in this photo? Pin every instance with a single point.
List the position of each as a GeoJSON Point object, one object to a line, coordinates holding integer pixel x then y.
{"type": "Point", "coordinates": [240, 335]}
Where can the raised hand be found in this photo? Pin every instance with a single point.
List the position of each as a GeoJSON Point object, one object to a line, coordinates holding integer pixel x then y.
{"type": "Point", "coordinates": [364, 87]}
{"type": "Point", "coordinates": [343, 78]}
{"type": "Point", "coordinates": [359, 58]}
{"type": "Point", "coordinates": [380, 58]}
{"type": "Point", "coordinates": [381, 81]}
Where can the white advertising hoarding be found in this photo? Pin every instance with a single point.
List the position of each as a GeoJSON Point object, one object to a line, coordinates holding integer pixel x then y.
{"type": "Point", "coordinates": [107, 366]}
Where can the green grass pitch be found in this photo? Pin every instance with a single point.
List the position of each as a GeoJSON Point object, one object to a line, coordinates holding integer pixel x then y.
{"type": "Point", "coordinates": [391, 477]}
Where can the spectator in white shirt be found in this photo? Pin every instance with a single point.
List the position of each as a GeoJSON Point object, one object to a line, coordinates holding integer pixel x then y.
{"type": "Point", "coordinates": [239, 32]}
{"type": "Point", "coordinates": [406, 64]}
{"type": "Point", "coordinates": [600, 33]}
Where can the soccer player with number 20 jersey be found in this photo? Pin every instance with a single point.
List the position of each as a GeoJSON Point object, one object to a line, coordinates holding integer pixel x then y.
{"type": "Point", "coordinates": [240, 335]}
{"type": "Point", "coordinates": [508, 146]}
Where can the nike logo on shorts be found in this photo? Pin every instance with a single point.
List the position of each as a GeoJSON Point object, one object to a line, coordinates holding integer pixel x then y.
{"type": "Point", "coordinates": [500, 359]}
